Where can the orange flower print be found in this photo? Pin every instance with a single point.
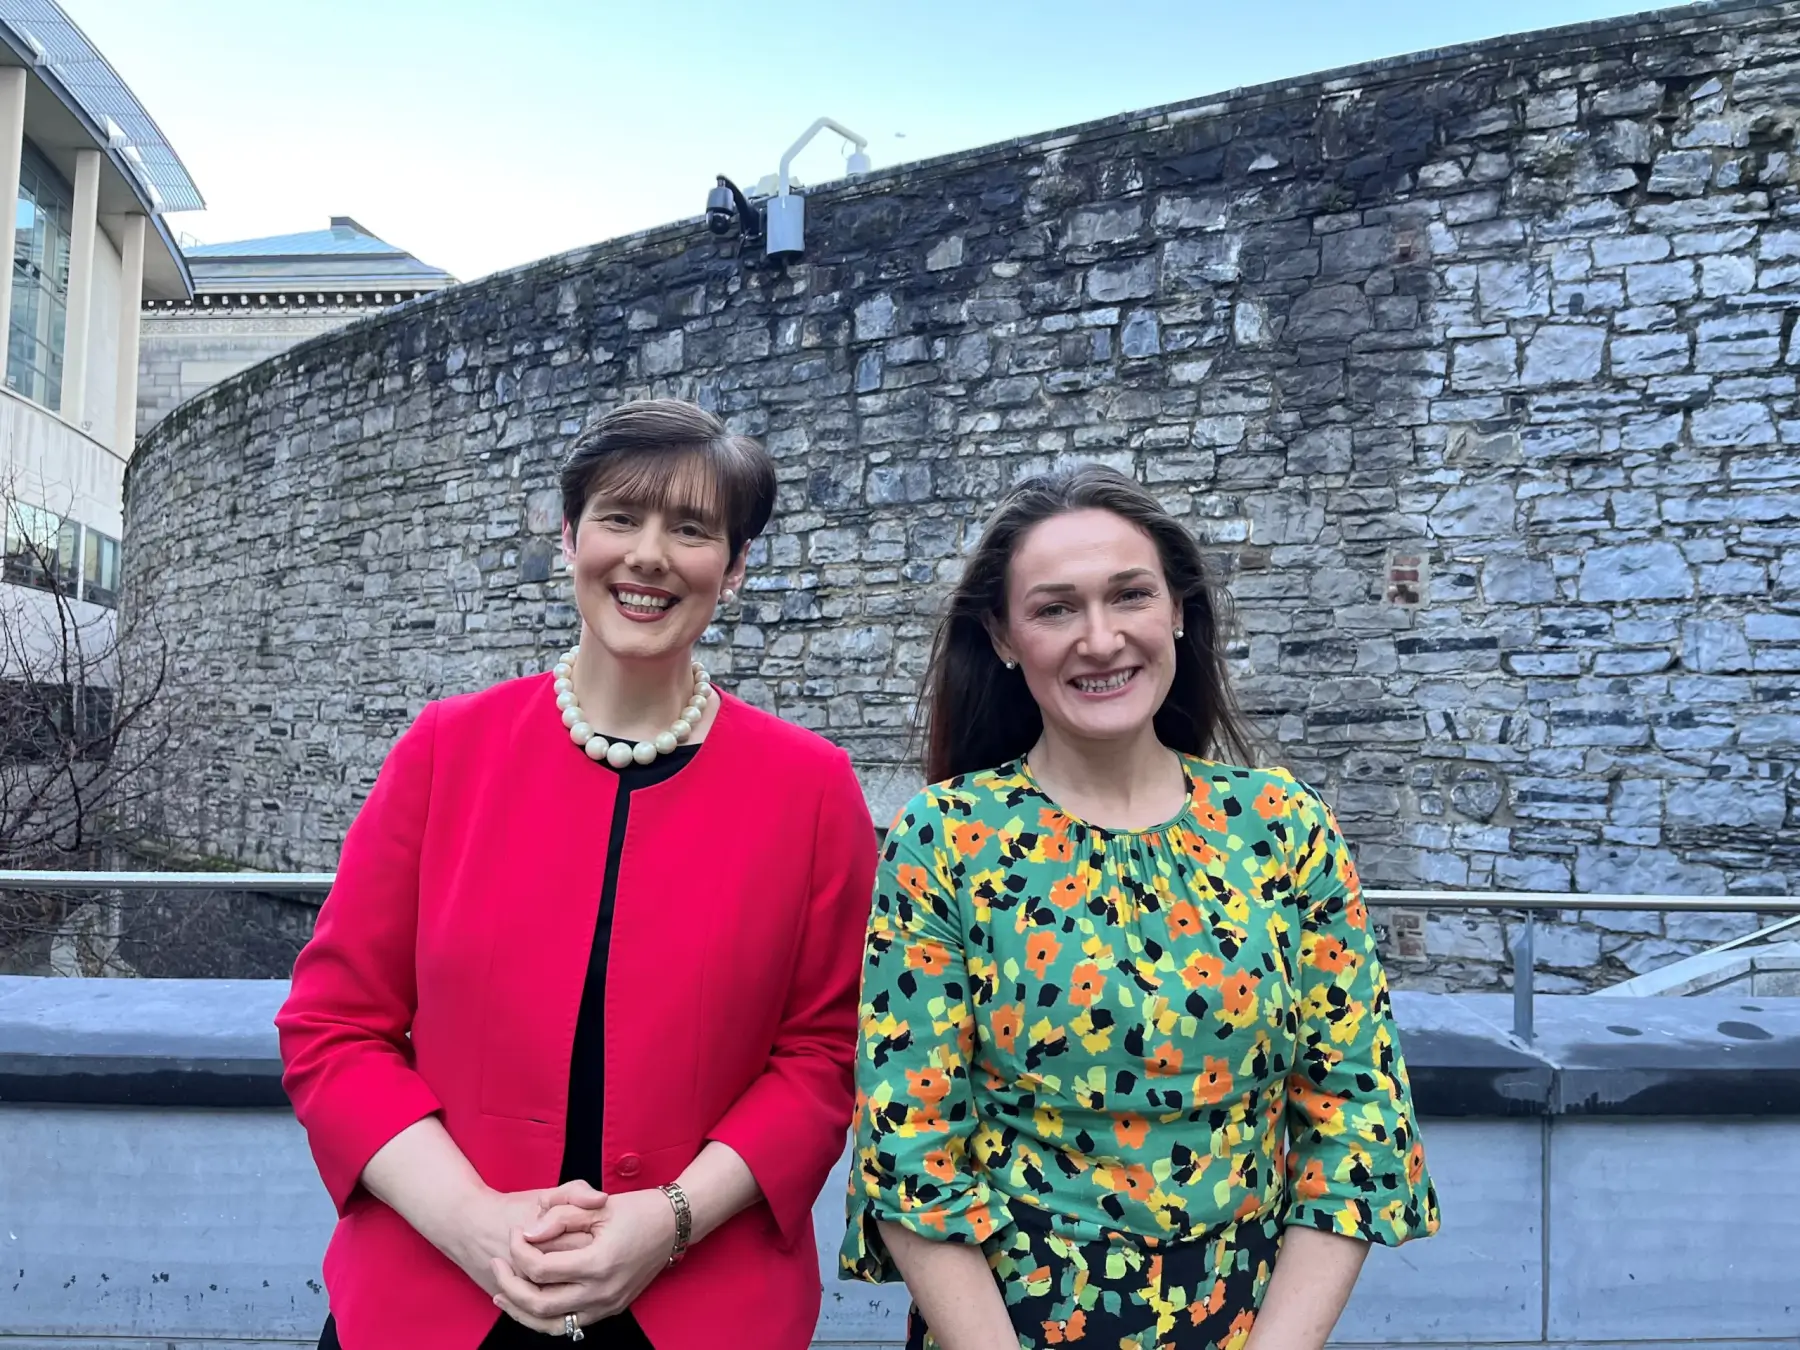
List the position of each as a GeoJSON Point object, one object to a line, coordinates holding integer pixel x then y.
{"type": "Point", "coordinates": [1132, 1179]}
{"type": "Point", "coordinates": [1085, 984]}
{"type": "Point", "coordinates": [1270, 802]}
{"type": "Point", "coordinates": [1356, 914]}
{"type": "Point", "coordinates": [1311, 1183]}
{"type": "Point", "coordinates": [981, 1222]}
{"type": "Point", "coordinates": [1058, 848]}
{"type": "Point", "coordinates": [1213, 1085]}
{"type": "Point", "coordinates": [968, 837]}
{"type": "Point", "coordinates": [1184, 919]}
{"type": "Point", "coordinates": [915, 880]}
{"type": "Point", "coordinates": [1054, 821]}
{"type": "Point", "coordinates": [930, 1086]}
{"type": "Point", "coordinates": [1132, 1130]}
{"type": "Point", "coordinates": [1240, 1331]}
{"type": "Point", "coordinates": [1040, 950]}
{"type": "Point", "coordinates": [1195, 845]}
{"type": "Point", "coordinates": [1209, 816]}
{"type": "Point", "coordinates": [1008, 1021]}
{"type": "Point", "coordinates": [1239, 993]}
{"type": "Point", "coordinates": [1067, 892]}
{"type": "Point", "coordinates": [929, 957]}
{"type": "Point", "coordinates": [1321, 1108]}
{"type": "Point", "coordinates": [1164, 1062]}
{"type": "Point", "coordinates": [1330, 955]}
{"type": "Point", "coordinates": [1203, 968]}
{"type": "Point", "coordinates": [940, 1164]}
{"type": "Point", "coordinates": [1201, 1309]}
{"type": "Point", "coordinates": [1063, 1333]}
{"type": "Point", "coordinates": [1415, 1164]}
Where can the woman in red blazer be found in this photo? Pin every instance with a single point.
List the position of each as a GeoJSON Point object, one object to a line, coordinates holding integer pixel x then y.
{"type": "Point", "coordinates": [572, 1042]}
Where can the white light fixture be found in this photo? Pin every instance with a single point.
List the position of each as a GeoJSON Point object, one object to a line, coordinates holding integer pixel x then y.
{"type": "Point", "coordinates": [38, 54]}
{"type": "Point", "coordinates": [135, 155]}
{"type": "Point", "coordinates": [115, 134]}
{"type": "Point", "coordinates": [786, 213]}
{"type": "Point", "coordinates": [156, 199]}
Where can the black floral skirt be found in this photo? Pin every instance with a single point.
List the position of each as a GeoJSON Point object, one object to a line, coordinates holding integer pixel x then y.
{"type": "Point", "coordinates": [615, 1333]}
{"type": "Point", "coordinates": [1127, 1293]}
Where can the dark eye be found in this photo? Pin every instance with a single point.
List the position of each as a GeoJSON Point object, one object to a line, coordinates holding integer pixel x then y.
{"type": "Point", "coordinates": [1136, 595]}
{"type": "Point", "coordinates": [1054, 610]}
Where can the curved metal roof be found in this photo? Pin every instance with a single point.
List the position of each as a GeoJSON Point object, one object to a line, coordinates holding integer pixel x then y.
{"type": "Point", "coordinates": [87, 78]}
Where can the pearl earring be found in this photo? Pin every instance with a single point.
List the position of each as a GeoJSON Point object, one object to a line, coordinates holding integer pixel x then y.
{"type": "Point", "coordinates": [728, 596]}
{"type": "Point", "coordinates": [1011, 665]}
{"type": "Point", "coordinates": [1178, 633]}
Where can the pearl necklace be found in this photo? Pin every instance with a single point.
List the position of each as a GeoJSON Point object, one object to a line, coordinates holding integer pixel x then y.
{"type": "Point", "coordinates": [620, 753]}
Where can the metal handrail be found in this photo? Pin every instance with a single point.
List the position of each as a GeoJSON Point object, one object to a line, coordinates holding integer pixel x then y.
{"type": "Point", "coordinates": [275, 883]}
{"type": "Point", "coordinates": [314, 883]}
{"type": "Point", "coordinates": [1521, 948]}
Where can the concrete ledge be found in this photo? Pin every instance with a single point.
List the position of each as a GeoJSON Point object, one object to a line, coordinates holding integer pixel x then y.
{"type": "Point", "coordinates": [211, 1043]}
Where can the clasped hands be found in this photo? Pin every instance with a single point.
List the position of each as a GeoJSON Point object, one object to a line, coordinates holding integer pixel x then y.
{"type": "Point", "coordinates": [542, 1255]}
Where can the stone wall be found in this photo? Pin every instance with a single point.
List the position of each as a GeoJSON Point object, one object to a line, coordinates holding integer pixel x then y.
{"type": "Point", "coordinates": [1476, 370]}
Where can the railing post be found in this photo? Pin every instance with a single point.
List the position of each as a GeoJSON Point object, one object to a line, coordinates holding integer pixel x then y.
{"type": "Point", "coordinates": [1523, 964]}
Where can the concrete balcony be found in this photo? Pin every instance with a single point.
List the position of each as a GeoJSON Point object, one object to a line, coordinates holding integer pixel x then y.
{"type": "Point", "coordinates": [1624, 1179]}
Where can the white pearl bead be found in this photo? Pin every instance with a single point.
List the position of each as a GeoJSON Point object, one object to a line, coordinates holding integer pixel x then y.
{"type": "Point", "coordinates": [682, 729]}
{"type": "Point", "coordinates": [665, 743]}
{"type": "Point", "coordinates": [563, 684]}
{"type": "Point", "coordinates": [566, 698]}
{"type": "Point", "coordinates": [581, 733]}
{"type": "Point", "coordinates": [692, 714]}
{"type": "Point", "coordinates": [571, 715]}
{"type": "Point", "coordinates": [644, 752]}
{"type": "Point", "coordinates": [618, 754]}
{"type": "Point", "coordinates": [596, 748]}
{"type": "Point", "coordinates": [563, 670]}
{"type": "Point", "coordinates": [702, 691]}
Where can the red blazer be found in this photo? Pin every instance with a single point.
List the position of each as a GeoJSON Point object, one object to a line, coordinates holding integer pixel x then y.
{"type": "Point", "coordinates": [463, 914]}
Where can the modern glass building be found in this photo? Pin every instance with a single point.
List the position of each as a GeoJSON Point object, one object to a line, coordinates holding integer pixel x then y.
{"type": "Point", "coordinates": [91, 177]}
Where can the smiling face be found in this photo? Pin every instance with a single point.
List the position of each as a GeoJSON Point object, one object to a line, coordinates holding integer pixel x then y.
{"type": "Point", "coordinates": [648, 574]}
{"type": "Point", "coordinates": [1091, 622]}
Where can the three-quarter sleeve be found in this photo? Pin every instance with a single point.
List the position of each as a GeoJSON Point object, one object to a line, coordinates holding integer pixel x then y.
{"type": "Point", "coordinates": [917, 1147]}
{"type": "Point", "coordinates": [347, 1062]}
{"type": "Point", "coordinates": [1355, 1162]}
{"type": "Point", "coordinates": [788, 1126]}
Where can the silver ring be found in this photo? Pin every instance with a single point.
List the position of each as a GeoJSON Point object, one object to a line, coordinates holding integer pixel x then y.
{"type": "Point", "coordinates": [572, 1327]}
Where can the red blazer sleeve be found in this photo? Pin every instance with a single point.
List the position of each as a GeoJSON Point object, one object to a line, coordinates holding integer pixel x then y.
{"type": "Point", "coordinates": [790, 1124]}
{"type": "Point", "coordinates": [347, 1062]}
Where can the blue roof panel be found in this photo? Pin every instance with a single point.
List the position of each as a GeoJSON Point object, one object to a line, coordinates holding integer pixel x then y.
{"type": "Point", "coordinates": [89, 79]}
{"type": "Point", "coordinates": [311, 244]}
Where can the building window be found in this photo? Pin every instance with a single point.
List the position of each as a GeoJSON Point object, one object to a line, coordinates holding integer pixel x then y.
{"type": "Point", "coordinates": [41, 548]}
{"type": "Point", "coordinates": [40, 723]}
{"type": "Point", "coordinates": [100, 569]}
{"type": "Point", "coordinates": [48, 552]}
{"type": "Point", "coordinates": [34, 356]}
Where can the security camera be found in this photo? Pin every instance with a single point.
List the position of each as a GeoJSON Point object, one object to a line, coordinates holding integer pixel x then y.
{"type": "Point", "coordinates": [729, 211]}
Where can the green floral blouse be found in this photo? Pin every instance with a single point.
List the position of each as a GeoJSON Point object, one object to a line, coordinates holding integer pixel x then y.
{"type": "Point", "coordinates": [1142, 1034]}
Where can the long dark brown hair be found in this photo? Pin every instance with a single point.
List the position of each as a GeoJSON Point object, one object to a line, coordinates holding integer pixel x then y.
{"type": "Point", "coordinates": [978, 714]}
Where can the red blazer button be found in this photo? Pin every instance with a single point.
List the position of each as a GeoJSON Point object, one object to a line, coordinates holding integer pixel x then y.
{"type": "Point", "coordinates": [628, 1164]}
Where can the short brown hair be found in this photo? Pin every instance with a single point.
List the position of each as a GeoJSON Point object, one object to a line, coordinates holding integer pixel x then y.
{"type": "Point", "coordinates": [645, 453]}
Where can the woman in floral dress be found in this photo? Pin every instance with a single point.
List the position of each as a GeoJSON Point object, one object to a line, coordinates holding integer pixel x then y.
{"type": "Point", "coordinates": [1128, 1075]}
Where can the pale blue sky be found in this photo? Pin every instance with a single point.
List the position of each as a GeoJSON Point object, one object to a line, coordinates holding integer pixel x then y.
{"type": "Point", "coordinates": [480, 135]}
